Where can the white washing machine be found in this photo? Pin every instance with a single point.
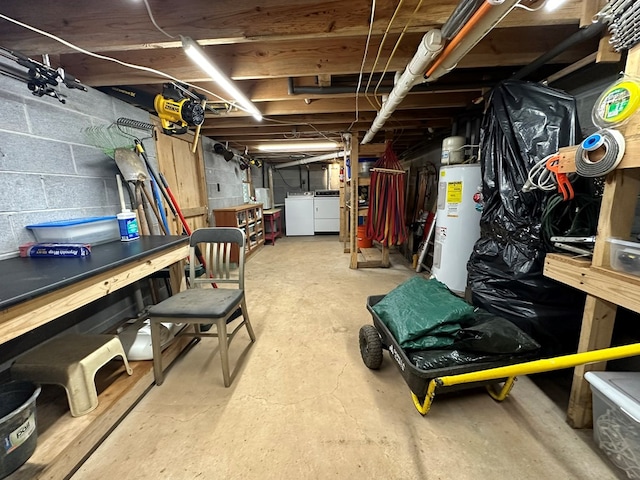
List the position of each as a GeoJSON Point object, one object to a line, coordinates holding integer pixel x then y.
{"type": "Point", "coordinates": [298, 214]}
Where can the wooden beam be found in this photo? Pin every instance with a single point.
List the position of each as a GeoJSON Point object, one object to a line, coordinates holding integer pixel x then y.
{"type": "Point", "coordinates": [606, 53]}
{"type": "Point", "coordinates": [324, 105]}
{"type": "Point", "coordinates": [126, 26]}
{"type": "Point", "coordinates": [324, 80]}
{"type": "Point", "coordinates": [589, 59]}
{"type": "Point", "coordinates": [215, 129]}
{"type": "Point", "coordinates": [425, 115]}
{"type": "Point", "coordinates": [334, 56]}
{"type": "Point", "coordinates": [589, 9]}
{"type": "Point", "coordinates": [631, 158]}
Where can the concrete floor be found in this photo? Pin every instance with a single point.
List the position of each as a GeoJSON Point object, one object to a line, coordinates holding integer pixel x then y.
{"type": "Point", "coordinates": [304, 406]}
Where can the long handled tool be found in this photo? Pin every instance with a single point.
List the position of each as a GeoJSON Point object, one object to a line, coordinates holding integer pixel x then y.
{"type": "Point", "coordinates": [185, 225]}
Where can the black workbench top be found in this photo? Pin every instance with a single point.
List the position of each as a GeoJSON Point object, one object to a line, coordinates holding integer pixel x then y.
{"type": "Point", "coordinates": [26, 278]}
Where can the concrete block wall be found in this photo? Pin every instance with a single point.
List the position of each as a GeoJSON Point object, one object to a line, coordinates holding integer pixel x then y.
{"type": "Point", "coordinates": [224, 179]}
{"type": "Point", "coordinates": [296, 179]}
{"type": "Point", "coordinates": [49, 170]}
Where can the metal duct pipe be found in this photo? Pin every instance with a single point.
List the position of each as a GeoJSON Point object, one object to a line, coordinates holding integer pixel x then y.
{"type": "Point", "coordinates": [430, 46]}
{"type": "Point", "coordinates": [580, 36]}
{"type": "Point", "coordinates": [421, 87]}
{"type": "Point", "coordinates": [488, 16]}
{"type": "Point", "coordinates": [303, 161]}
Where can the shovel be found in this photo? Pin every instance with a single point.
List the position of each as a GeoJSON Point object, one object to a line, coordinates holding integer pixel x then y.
{"type": "Point", "coordinates": [133, 170]}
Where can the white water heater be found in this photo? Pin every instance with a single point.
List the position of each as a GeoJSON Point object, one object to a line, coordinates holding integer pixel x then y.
{"type": "Point", "coordinates": [457, 223]}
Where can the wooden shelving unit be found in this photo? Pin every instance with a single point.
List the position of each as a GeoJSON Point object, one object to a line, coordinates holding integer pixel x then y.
{"type": "Point", "coordinates": [605, 287]}
{"type": "Point", "coordinates": [247, 217]}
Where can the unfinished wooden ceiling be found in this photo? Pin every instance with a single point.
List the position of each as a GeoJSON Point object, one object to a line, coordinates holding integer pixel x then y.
{"type": "Point", "coordinates": [276, 49]}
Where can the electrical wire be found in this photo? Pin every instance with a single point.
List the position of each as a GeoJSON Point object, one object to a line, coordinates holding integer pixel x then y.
{"type": "Point", "coordinates": [153, 20]}
{"type": "Point", "coordinates": [282, 122]}
{"type": "Point", "coordinates": [395, 47]}
{"type": "Point", "coordinates": [529, 9]}
{"type": "Point", "coordinates": [364, 58]}
{"type": "Point", "coordinates": [576, 217]}
{"type": "Point", "coordinates": [539, 177]}
{"type": "Point", "coordinates": [120, 62]}
{"type": "Point", "coordinates": [379, 52]}
{"type": "Point", "coordinates": [285, 182]}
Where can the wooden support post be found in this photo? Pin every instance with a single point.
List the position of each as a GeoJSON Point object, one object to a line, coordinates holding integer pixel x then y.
{"type": "Point", "coordinates": [616, 216]}
{"type": "Point", "coordinates": [597, 327]}
{"type": "Point", "coordinates": [353, 212]}
{"type": "Point", "coordinates": [589, 9]}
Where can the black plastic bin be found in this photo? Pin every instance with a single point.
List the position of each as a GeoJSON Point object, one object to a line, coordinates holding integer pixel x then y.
{"type": "Point", "coordinates": [18, 431]}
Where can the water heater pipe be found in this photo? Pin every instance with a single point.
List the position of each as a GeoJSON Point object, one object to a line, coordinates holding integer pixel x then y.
{"type": "Point", "coordinates": [430, 46]}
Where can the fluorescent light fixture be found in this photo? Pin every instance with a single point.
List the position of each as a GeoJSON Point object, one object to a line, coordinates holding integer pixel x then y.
{"type": "Point", "coordinates": [297, 146]}
{"type": "Point", "coordinates": [193, 50]}
{"type": "Point", "coordinates": [552, 5]}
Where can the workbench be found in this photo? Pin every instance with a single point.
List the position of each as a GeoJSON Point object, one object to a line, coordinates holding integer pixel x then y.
{"type": "Point", "coordinates": [36, 291]}
{"type": "Point", "coordinates": [273, 218]}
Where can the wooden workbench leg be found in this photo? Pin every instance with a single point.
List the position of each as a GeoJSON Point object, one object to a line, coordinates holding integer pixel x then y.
{"type": "Point", "coordinates": [177, 277]}
{"type": "Point", "coordinates": [597, 328]}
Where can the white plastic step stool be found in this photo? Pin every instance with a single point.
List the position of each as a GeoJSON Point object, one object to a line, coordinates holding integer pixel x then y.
{"type": "Point", "coordinates": [71, 361]}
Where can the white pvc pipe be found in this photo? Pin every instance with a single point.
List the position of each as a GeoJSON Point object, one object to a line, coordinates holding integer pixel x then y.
{"type": "Point", "coordinates": [429, 48]}
{"type": "Point", "coordinates": [303, 161]}
{"type": "Point", "coordinates": [493, 16]}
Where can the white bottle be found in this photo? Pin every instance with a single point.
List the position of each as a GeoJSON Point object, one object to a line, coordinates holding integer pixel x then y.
{"type": "Point", "coordinates": [128, 224]}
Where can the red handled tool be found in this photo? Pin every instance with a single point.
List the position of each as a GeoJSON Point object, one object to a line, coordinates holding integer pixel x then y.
{"type": "Point", "coordinates": [564, 185]}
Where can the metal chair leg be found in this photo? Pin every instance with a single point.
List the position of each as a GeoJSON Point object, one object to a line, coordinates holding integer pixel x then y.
{"type": "Point", "coordinates": [157, 352]}
{"type": "Point", "coordinates": [223, 340]}
{"type": "Point", "coordinates": [247, 323]}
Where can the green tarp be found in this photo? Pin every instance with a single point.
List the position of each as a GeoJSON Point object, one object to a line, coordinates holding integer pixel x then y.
{"type": "Point", "coordinates": [423, 314]}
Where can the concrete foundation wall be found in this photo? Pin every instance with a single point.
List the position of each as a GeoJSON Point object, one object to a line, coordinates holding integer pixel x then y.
{"type": "Point", "coordinates": [49, 170]}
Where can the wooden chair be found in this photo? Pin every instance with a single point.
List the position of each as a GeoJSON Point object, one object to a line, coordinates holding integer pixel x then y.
{"type": "Point", "coordinates": [201, 305]}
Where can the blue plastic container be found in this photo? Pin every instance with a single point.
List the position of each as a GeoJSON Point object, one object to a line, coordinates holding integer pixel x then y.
{"type": "Point", "coordinates": [92, 230]}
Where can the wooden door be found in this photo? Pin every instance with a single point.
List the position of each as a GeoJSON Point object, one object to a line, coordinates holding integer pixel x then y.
{"type": "Point", "coordinates": [185, 175]}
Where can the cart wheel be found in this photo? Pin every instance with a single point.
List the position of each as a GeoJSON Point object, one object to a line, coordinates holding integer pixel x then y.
{"type": "Point", "coordinates": [370, 347]}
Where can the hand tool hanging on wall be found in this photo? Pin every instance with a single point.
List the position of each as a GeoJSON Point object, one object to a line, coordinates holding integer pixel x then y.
{"type": "Point", "coordinates": [176, 209]}
{"type": "Point", "coordinates": [133, 171]}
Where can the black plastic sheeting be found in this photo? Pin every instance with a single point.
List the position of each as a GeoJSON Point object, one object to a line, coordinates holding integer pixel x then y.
{"type": "Point", "coordinates": [487, 338]}
{"type": "Point", "coordinates": [524, 123]}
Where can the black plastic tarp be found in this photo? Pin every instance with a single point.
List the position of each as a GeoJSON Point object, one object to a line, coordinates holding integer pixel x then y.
{"type": "Point", "coordinates": [524, 123]}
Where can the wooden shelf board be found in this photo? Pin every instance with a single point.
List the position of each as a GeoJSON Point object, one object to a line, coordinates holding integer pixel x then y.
{"type": "Point", "coordinates": [601, 282]}
{"type": "Point", "coordinates": [631, 158]}
{"type": "Point", "coordinates": [370, 258]}
{"type": "Point", "coordinates": [65, 441]}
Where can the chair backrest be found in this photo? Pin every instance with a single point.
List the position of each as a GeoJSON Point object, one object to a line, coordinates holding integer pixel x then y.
{"type": "Point", "coordinates": [216, 244]}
